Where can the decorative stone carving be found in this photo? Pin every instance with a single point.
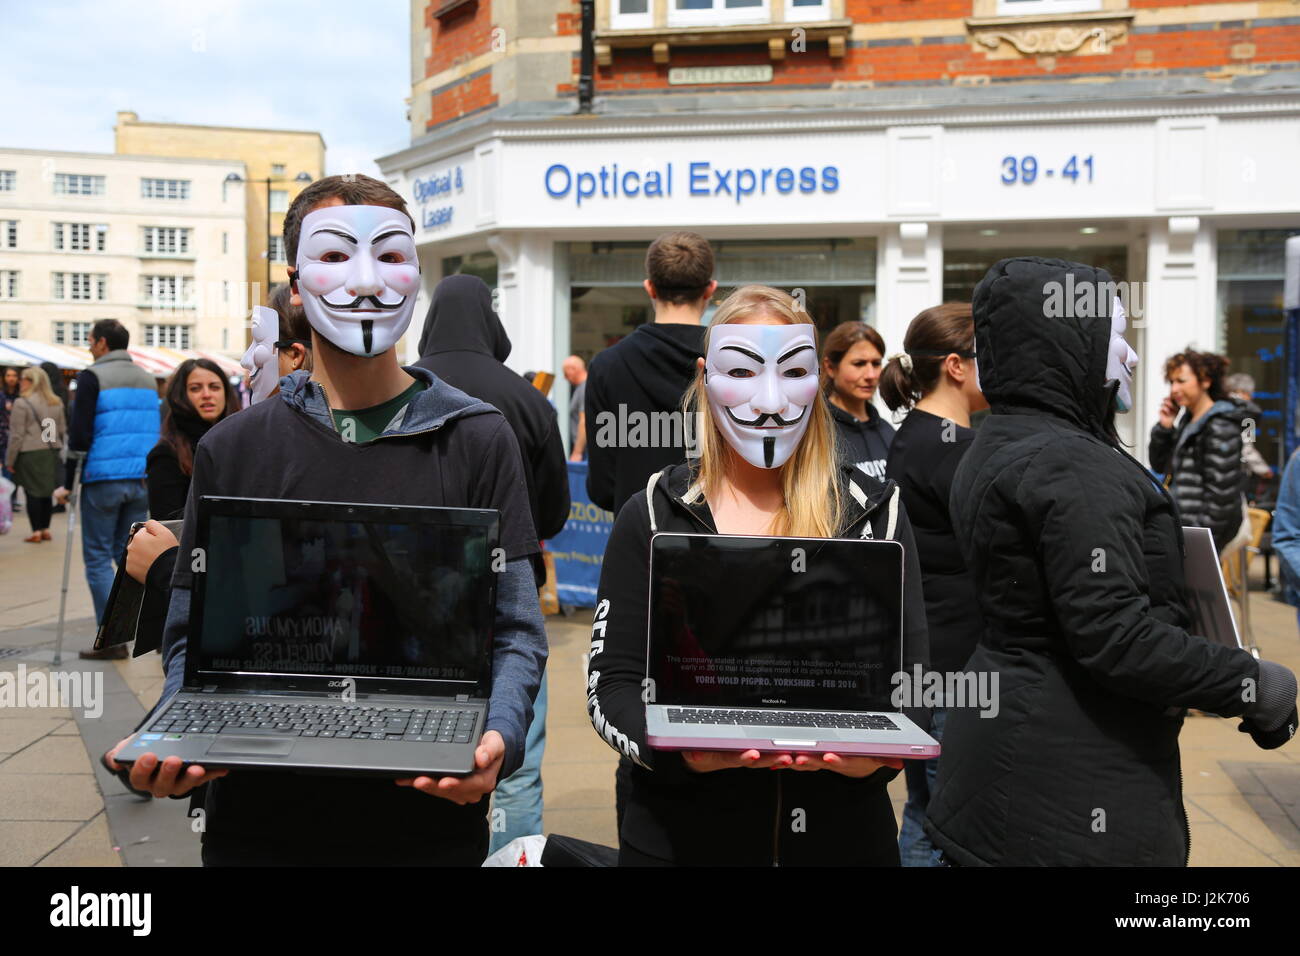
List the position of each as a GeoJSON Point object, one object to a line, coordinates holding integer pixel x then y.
{"type": "Point", "coordinates": [1081, 34]}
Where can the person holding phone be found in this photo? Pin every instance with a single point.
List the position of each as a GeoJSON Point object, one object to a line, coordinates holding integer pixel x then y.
{"type": "Point", "coordinates": [766, 466]}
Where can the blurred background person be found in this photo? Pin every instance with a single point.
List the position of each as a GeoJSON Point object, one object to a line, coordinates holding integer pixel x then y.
{"type": "Point", "coordinates": [1286, 534]}
{"type": "Point", "coordinates": [36, 434]}
{"type": "Point", "coordinates": [851, 362]}
{"type": "Point", "coordinates": [934, 377]}
{"type": "Point", "coordinates": [9, 390]}
{"type": "Point", "coordinates": [1241, 388]}
{"type": "Point", "coordinates": [198, 396]}
{"type": "Point", "coordinates": [575, 373]}
{"type": "Point", "coordinates": [1199, 448]}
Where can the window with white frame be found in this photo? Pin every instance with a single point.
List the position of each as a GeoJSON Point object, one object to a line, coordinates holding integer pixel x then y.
{"type": "Point", "coordinates": [165, 188]}
{"type": "Point", "coordinates": [1026, 8]}
{"type": "Point", "coordinates": [690, 13]}
{"type": "Point", "coordinates": [167, 336]}
{"type": "Point", "coordinates": [8, 180]}
{"type": "Point", "coordinates": [72, 333]}
{"type": "Point", "coordinates": [277, 169]}
{"type": "Point", "coordinates": [79, 236]}
{"type": "Point", "coordinates": [166, 240]}
{"type": "Point", "coordinates": [76, 184]}
{"type": "Point", "coordinates": [9, 284]}
{"type": "Point", "coordinates": [9, 235]}
{"type": "Point", "coordinates": [631, 14]}
{"type": "Point", "coordinates": [276, 251]}
{"type": "Point", "coordinates": [279, 200]}
{"type": "Point", "coordinates": [80, 286]}
{"type": "Point", "coordinates": [166, 290]}
{"type": "Point", "coordinates": [803, 11]}
{"type": "Point", "coordinates": [9, 329]}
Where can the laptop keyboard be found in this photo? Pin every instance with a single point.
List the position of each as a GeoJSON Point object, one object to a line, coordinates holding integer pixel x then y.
{"type": "Point", "coordinates": [781, 718]}
{"type": "Point", "coordinates": [444, 725]}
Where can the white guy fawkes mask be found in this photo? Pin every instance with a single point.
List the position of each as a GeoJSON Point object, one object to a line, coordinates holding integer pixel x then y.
{"type": "Point", "coordinates": [761, 382]}
{"type": "Point", "coordinates": [1121, 360]}
{"type": "Point", "coordinates": [260, 361]}
{"type": "Point", "coordinates": [358, 275]}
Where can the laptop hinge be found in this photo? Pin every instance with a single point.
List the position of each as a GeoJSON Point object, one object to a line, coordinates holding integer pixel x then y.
{"type": "Point", "coordinates": [462, 698]}
{"type": "Point", "coordinates": [209, 689]}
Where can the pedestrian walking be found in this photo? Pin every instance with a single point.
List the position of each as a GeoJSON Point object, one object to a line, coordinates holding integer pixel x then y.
{"type": "Point", "coordinates": [36, 436]}
{"type": "Point", "coordinates": [575, 373]}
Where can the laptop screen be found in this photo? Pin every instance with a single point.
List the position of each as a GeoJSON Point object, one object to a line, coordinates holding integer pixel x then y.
{"type": "Point", "coordinates": [298, 588]}
{"type": "Point", "coordinates": [788, 622]}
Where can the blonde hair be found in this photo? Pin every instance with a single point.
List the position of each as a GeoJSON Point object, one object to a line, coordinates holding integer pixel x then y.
{"type": "Point", "coordinates": [41, 385]}
{"type": "Point", "coordinates": [813, 506]}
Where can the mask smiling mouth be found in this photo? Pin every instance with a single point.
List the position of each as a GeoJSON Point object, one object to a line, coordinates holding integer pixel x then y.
{"type": "Point", "coordinates": [353, 306]}
{"type": "Point", "coordinates": [778, 421]}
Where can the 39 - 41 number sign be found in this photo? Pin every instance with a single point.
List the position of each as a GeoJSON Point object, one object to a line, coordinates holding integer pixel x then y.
{"type": "Point", "coordinates": [1025, 170]}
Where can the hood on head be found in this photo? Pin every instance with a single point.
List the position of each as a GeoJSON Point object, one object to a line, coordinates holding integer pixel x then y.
{"type": "Point", "coordinates": [461, 319]}
{"type": "Point", "coordinates": [1042, 335]}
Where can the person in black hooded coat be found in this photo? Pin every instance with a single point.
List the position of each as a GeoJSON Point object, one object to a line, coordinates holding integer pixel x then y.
{"type": "Point", "coordinates": [465, 344]}
{"type": "Point", "coordinates": [1077, 555]}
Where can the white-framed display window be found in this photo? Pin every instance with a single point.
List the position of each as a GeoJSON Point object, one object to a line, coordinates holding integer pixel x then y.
{"type": "Point", "coordinates": [718, 13]}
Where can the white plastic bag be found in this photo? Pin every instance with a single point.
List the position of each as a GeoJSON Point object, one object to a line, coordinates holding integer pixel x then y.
{"type": "Point", "coordinates": [521, 851]}
{"type": "Point", "coordinates": [6, 506]}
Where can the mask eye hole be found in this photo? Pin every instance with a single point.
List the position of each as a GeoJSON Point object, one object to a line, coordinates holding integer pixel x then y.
{"type": "Point", "coordinates": [334, 256]}
{"type": "Point", "coordinates": [393, 257]}
{"type": "Point", "coordinates": [741, 373]}
{"type": "Point", "coordinates": [795, 372]}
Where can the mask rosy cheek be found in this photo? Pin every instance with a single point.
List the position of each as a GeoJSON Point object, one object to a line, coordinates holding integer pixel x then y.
{"type": "Point", "coordinates": [728, 393]}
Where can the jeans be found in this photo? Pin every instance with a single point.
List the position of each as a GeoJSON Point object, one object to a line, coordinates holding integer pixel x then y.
{"type": "Point", "coordinates": [108, 509]}
{"type": "Point", "coordinates": [517, 802]}
{"type": "Point", "coordinates": [914, 846]}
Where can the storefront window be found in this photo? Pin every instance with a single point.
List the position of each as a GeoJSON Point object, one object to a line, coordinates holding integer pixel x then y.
{"type": "Point", "coordinates": [481, 264]}
{"type": "Point", "coordinates": [837, 278]}
{"type": "Point", "coordinates": [1252, 329]}
{"type": "Point", "coordinates": [964, 268]}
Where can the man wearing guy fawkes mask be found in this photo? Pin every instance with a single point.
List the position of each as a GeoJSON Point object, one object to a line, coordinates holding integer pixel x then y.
{"type": "Point", "coordinates": [1076, 553]}
{"type": "Point", "coordinates": [361, 428]}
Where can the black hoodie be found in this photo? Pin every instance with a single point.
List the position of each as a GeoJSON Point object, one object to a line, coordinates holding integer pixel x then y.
{"type": "Point", "coordinates": [1077, 558]}
{"type": "Point", "coordinates": [465, 344]}
{"type": "Point", "coordinates": [646, 373]}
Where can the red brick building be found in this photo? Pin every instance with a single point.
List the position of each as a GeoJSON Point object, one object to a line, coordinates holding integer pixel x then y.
{"type": "Point", "coordinates": [879, 154]}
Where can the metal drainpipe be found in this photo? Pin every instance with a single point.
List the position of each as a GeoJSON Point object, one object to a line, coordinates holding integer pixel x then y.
{"type": "Point", "coordinates": [587, 62]}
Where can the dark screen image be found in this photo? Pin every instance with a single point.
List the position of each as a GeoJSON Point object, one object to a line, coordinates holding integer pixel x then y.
{"type": "Point", "coordinates": [303, 596]}
{"type": "Point", "coordinates": [741, 622]}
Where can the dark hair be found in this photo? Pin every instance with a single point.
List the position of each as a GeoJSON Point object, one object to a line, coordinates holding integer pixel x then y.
{"type": "Point", "coordinates": [931, 337]}
{"type": "Point", "coordinates": [55, 375]}
{"type": "Point", "coordinates": [355, 189]}
{"type": "Point", "coordinates": [841, 340]}
{"type": "Point", "coordinates": [680, 267]}
{"type": "Point", "coordinates": [294, 326]}
{"type": "Point", "coordinates": [1206, 366]}
{"type": "Point", "coordinates": [113, 333]}
{"type": "Point", "coordinates": [181, 420]}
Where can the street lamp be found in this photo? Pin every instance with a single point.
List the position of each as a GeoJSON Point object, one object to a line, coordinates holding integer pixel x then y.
{"type": "Point", "coordinates": [300, 178]}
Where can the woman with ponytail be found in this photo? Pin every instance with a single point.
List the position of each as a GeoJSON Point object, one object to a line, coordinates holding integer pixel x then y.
{"type": "Point", "coordinates": [851, 362]}
{"type": "Point", "coordinates": [766, 466]}
{"type": "Point", "coordinates": [934, 377]}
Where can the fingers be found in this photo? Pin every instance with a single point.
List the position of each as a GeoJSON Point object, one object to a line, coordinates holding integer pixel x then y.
{"type": "Point", "coordinates": [458, 790]}
{"type": "Point", "coordinates": [170, 777]}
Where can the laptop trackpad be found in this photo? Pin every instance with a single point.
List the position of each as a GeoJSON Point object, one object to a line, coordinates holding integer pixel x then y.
{"type": "Point", "coordinates": [822, 734]}
{"type": "Point", "coordinates": [250, 747]}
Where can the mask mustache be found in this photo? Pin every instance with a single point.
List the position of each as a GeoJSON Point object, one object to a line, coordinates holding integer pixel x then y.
{"type": "Point", "coordinates": [373, 299]}
{"type": "Point", "coordinates": [777, 420]}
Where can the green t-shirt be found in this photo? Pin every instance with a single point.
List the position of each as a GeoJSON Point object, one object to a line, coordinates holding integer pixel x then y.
{"type": "Point", "coordinates": [367, 424]}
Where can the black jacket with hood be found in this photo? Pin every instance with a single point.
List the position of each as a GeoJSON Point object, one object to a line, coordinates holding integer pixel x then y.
{"type": "Point", "coordinates": [1203, 458]}
{"type": "Point", "coordinates": [1077, 556]}
{"type": "Point", "coordinates": [864, 444]}
{"type": "Point", "coordinates": [732, 817]}
{"type": "Point", "coordinates": [465, 344]}
{"type": "Point", "coordinates": [644, 375]}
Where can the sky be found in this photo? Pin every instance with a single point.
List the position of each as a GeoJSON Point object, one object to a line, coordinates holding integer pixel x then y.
{"type": "Point", "coordinates": [338, 67]}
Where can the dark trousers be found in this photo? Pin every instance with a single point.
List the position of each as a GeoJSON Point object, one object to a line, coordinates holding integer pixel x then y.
{"type": "Point", "coordinates": [39, 511]}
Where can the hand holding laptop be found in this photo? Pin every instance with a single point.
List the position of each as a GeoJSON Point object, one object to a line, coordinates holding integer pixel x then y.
{"type": "Point", "coordinates": [472, 787]}
{"type": "Point", "coordinates": [705, 761]}
{"type": "Point", "coordinates": [172, 777]}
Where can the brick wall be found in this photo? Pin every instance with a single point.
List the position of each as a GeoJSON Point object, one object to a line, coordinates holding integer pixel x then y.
{"type": "Point", "coordinates": [455, 42]}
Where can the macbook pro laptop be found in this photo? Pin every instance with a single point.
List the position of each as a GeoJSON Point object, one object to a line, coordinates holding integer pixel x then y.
{"type": "Point", "coordinates": [334, 638]}
{"type": "Point", "coordinates": [777, 644]}
{"type": "Point", "coordinates": [1207, 595]}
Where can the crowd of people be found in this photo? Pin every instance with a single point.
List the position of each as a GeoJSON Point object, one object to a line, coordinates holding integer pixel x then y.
{"type": "Point", "coordinates": [1001, 527]}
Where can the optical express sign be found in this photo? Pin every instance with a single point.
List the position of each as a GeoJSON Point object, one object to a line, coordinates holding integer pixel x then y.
{"type": "Point", "coordinates": [699, 179]}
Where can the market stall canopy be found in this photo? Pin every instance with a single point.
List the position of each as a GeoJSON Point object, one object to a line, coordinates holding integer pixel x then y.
{"type": "Point", "coordinates": [27, 352]}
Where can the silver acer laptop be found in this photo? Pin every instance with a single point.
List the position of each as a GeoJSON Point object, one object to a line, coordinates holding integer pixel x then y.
{"type": "Point", "coordinates": [334, 638]}
{"type": "Point", "coordinates": [777, 644]}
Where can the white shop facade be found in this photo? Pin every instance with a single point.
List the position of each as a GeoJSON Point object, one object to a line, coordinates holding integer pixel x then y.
{"type": "Point", "coordinates": [877, 216]}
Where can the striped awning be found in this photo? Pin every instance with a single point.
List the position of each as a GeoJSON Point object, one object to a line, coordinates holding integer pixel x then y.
{"type": "Point", "coordinates": [29, 352]}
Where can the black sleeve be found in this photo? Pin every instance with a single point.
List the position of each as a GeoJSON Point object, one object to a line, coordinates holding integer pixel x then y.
{"type": "Point", "coordinates": [600, 460]}
{"type": "Point", "coordinates": [157, 596]}
{"type": "Point", "coordinates": [1090, 536]}
{"type": "Point", "coordinates": [496, 481]}
{"type": "Point", "coordinates": [81, 429]}
{"type": "Point", "coordinates": [1222, 476]}
{"type": "Point", "coordinates": [616, 663]}
{"type": "Point", "coordinates": [168, 485]}
{"type": "Point", "coordinates": [550, 470]}
{"type": "Point", "coordinates": [1161, 448]}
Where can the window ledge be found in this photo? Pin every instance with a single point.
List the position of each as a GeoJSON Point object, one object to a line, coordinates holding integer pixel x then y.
{"type": "Point", "coordinates": [774, 35]}
{"type": "Point", "coordinates": [1050, 33]}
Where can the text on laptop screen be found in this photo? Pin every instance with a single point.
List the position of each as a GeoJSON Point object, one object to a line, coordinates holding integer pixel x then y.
{"type": "Point", "coordinates": [309, 596]}
{"type": "Point", "coordinates": [763, 622]}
